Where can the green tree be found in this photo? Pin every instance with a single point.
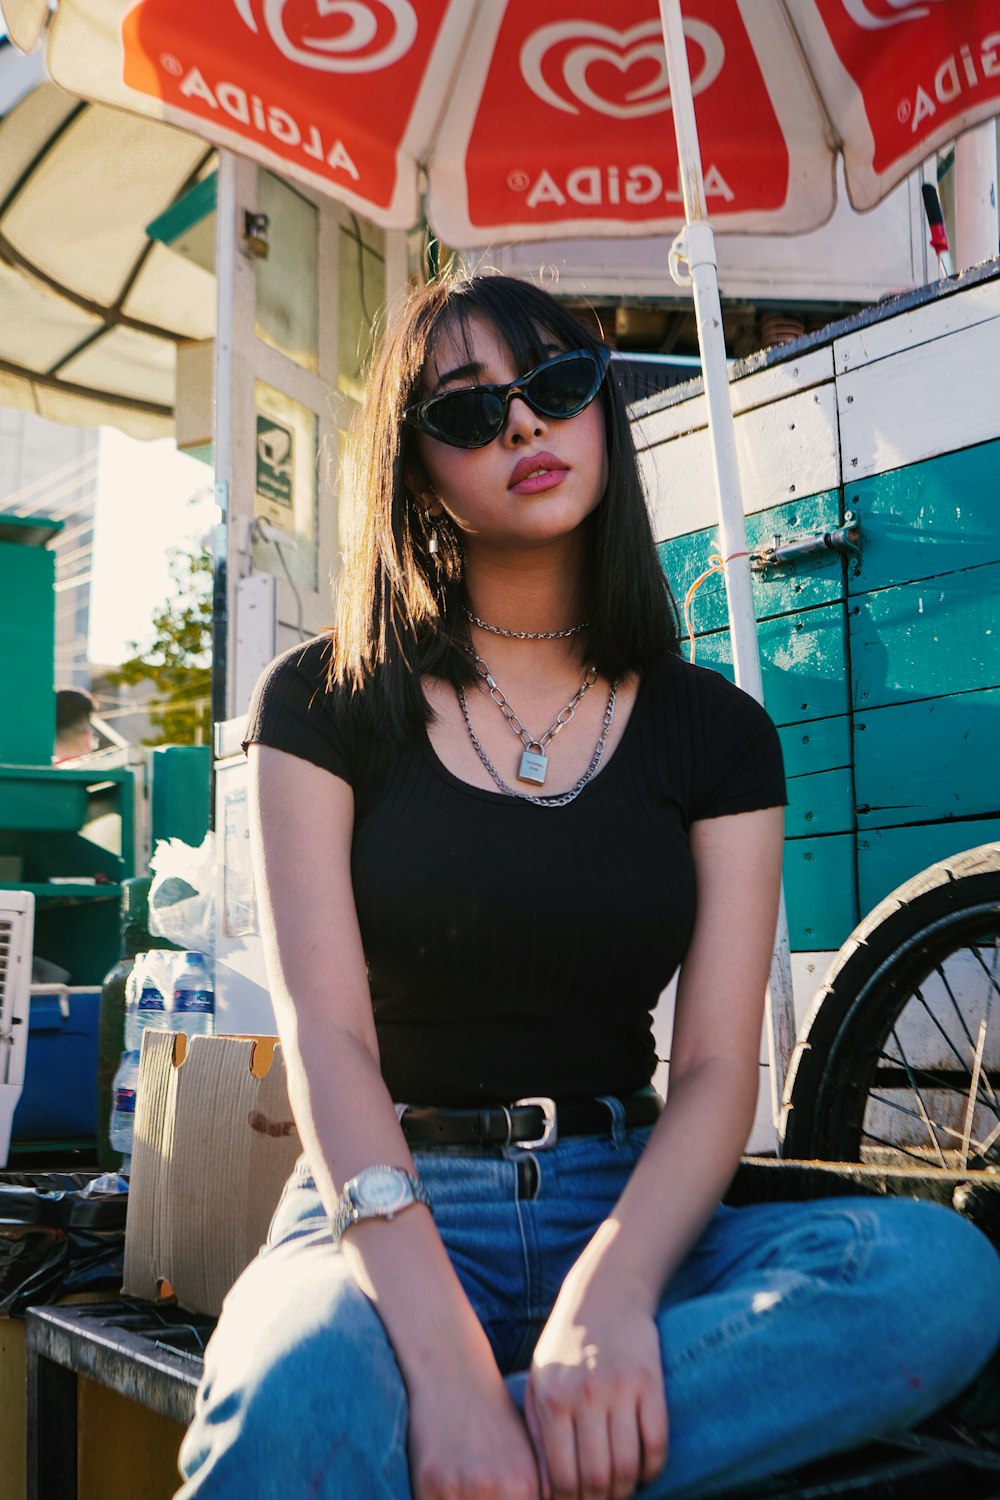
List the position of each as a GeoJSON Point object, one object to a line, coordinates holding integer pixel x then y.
{"type": "Point", "coordinates": [178, 660]}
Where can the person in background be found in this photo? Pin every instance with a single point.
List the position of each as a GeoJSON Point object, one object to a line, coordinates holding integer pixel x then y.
{"type": "Point", "coordinates": [501, 1269]}
{"type": "Point", "coordinates": [75, 735]}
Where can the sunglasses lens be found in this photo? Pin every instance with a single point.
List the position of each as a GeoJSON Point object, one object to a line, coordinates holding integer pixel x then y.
{"type": "Point", "coordinates": [467, 419]}
{"type": "Point", "coordinates": [563, 388]}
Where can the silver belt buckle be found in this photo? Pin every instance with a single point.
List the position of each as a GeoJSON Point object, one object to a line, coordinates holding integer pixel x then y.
{"type": "Point", "coordinates": [550, 1129]}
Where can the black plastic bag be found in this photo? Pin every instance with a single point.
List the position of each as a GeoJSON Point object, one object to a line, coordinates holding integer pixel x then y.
{"type": "Point", "coordinates": [57, 1238]}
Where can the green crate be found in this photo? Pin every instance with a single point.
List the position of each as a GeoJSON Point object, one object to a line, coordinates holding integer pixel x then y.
{"type": "Point", "coordinates": [52, 804]}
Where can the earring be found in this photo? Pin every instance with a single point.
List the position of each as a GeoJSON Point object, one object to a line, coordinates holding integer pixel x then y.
{"type": "Point", "coordinates": [433, 546]}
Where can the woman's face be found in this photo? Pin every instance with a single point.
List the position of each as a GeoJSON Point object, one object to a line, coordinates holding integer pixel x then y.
{"type": "Point", "coordinates": [537, 481]}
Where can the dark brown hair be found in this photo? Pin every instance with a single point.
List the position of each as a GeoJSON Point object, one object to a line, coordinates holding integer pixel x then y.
{"type": "Point", "coordinates": [74, 707]}
{"type": "Point", "coordinates": [400, 607]}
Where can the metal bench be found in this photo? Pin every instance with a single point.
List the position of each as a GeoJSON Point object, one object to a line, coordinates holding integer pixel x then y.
{"type": "Point", "coordinates": [152, 1355]}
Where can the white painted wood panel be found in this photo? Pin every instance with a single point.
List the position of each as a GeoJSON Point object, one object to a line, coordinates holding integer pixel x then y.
{"type": "Point", "coordinates": [808, 971]}
{"type": "Point", "coordinates": [759, 389]}
{"type": "Point", "coordinates": [662, 426]}
{"type": "Point", "coordinates": [918, 325]}
{"type": "Point", "coordinates": [786, 449]}
{"type": "Point", "coordinates": [921, 402]}
{"type": "Point", "coordinates": [787, 378]}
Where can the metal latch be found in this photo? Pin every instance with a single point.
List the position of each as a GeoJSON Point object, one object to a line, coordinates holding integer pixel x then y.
{"type": "Point", "coordinates": [844, 539]}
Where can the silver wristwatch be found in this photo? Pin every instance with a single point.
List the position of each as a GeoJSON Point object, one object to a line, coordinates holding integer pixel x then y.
{"type": "Point", "coordinates": [379, 1192]}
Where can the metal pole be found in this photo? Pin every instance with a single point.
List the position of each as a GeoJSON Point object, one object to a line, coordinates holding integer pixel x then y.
{"type": "Point", "coordinates": [226, 250]}
{"type": "Point", "coordinates": [976, 196]}
{"type": "Point", "coordinates": [698, 250]}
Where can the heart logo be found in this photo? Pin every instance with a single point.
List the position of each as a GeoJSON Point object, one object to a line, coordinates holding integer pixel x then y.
{"type": "Point", "coordinates": [572, 48]}
{"type": "Point", "coordinates": [864, 13]}
{"type": "Point", "coordinates": [391, 25]}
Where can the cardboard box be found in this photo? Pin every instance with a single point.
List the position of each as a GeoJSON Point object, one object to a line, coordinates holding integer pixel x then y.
{"type": "Point", "coordinates": [214, 1144]}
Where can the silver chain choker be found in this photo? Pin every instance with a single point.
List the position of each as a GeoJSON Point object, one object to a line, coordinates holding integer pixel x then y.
{"type": "Point", "coordinates": [527, 635]}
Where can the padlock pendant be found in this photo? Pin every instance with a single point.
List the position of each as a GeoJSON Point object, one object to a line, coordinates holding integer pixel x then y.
{"type": "Point", "coordinates": [534, 764]}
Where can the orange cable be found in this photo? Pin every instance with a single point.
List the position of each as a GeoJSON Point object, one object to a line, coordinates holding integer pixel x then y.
{"type": "Point", "coordinates": [716, 564]}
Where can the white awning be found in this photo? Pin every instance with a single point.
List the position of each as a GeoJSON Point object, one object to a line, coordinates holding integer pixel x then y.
{"type": "Point", "coordinates": [92, 308]}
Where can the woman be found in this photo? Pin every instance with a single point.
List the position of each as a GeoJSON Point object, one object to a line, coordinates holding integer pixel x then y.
{"type": "Point", "coordinates": [466, 1296]}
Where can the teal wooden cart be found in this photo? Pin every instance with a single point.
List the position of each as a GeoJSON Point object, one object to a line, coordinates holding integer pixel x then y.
{"type": "Point", "coordinates": [871, 462]}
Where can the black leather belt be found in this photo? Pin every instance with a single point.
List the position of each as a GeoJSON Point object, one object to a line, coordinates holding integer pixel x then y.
{"type": "Point", "coordinates": [534, 1124]}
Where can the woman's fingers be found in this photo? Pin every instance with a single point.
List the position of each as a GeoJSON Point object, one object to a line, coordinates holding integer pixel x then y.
{"type": "Point", "coordinates": [559, 1446]}
{"type": "Point", "coordinates": [597, 1447]}
{"type": "Point", "coordinates": [626, 1451]}
{"type": "Point", "coordinates": [534, 1426]}
{"type": "Point", "coordinates": [593, 1451]}
{"type": "Point", "coordinates": [469, 1444]}
{"type": "Point", "coordinates": [595, 1398]}
{"type": "Point", "coordinates": [654, 1430]}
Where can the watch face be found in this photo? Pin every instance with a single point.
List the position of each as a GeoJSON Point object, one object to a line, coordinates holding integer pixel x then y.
{"type": "Point", "coordinates": [381, 1188]}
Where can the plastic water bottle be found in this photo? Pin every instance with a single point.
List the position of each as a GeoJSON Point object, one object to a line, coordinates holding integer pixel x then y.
{"type": "Point", "coordinates": [123, 1089]}
{"type": "Point", "coordinates": [133, 1034]}
{"type": "Point", "coordinates": [193, 1002]}
{"type": "Point", "coordinates": [146, 1006]}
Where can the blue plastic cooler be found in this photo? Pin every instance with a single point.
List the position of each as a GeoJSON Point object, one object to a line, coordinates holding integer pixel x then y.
{"type": "Point", "coordinates": [59, 1098]}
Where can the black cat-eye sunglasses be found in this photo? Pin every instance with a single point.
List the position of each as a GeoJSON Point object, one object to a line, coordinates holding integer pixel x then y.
{"type": "Point", "coordinates": [474, 415]}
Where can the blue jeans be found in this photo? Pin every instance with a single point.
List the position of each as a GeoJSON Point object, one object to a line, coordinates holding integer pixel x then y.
{"type": "Point", "coordinates": [789, 1332]}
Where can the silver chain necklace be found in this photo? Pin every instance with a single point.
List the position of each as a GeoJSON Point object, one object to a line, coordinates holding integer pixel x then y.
{"type": "Point", "coordinates": [574, 791]}
{"type": "Point", "coordinates": [527, 635]}
{"type": "Point", "coordinates": [534, 762]}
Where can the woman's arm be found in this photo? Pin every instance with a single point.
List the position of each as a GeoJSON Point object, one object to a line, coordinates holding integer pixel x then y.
{"type": "Point", "coordinates": [464, 1428]}
{"type": "Point", "coordinates": [595, 1398]}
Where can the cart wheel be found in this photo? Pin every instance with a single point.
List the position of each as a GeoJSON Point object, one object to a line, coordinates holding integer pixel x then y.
{"type": "Point", "coordinates": [899, 1059]}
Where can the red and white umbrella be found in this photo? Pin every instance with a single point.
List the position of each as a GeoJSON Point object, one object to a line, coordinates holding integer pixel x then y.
{"type": "Point", "coordinates": [540, 118]}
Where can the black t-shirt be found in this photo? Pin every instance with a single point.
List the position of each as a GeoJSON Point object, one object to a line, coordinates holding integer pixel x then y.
{"type": "Point", "coordinates": [514, 949]}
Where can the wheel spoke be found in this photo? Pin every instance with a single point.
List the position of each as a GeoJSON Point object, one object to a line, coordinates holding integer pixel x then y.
{"type": "Point", "coordinates": [939, 970]}
{"type": "Point", "coordinates": [972, 948]}
{"type": "Point", "coordinates": [920, 1098]}
{"type": "Point", "coordinates": [935, 1079]}
{"type": "Point", "coordinates": [993, 1136]}
{"type": "Point", "coordinates": [962, 1062]}
{"type": "Point", "coordinates": [912, 1114]}
{"type": "Point", "coordinates": [992, 977]}
{"type": "Point", "coordinates": [977, 1068]}
{"type": "Point", "coordinates": [879, 1140]}
{"type": "Point", "coordinates": [922, 1114]}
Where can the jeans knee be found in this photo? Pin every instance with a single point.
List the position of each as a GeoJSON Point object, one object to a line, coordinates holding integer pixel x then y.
{"type": "Point", "coordinates": [296, 1398]}
{"type": "Point", "coordinates": [342, 1361]}
{"type": "Point", "coordinates": [946, 1276]}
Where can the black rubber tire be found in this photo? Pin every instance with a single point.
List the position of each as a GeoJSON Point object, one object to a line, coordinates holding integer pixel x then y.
{"type": "Point", "coordinates": [951, 907]}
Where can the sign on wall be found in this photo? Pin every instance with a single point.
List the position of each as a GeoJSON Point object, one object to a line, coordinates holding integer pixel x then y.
{"type": "Point", "coordinates": [285, 482]}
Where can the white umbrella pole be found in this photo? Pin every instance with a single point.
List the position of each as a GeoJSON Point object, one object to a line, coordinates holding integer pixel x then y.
{"type": "Point", "coordinates": [976, 196]}
{"type": "Point", "coordinates": [697, 246]}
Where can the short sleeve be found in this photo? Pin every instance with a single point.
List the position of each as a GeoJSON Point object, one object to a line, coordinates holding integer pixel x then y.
{"type": "Point", "coordinates": [292, 709]}
{"type": "Point", "coordinates": [742, 769]}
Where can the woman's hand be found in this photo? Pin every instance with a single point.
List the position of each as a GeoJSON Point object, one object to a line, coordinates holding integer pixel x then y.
{"type": "Point", "coordinates": [467, 1440]}
{"type": "Point", "coordinates": [595, 1403]}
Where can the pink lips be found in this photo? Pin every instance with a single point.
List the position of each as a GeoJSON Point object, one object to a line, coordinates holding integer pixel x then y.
{"type": "Point", "coordinates": [540, 471]}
